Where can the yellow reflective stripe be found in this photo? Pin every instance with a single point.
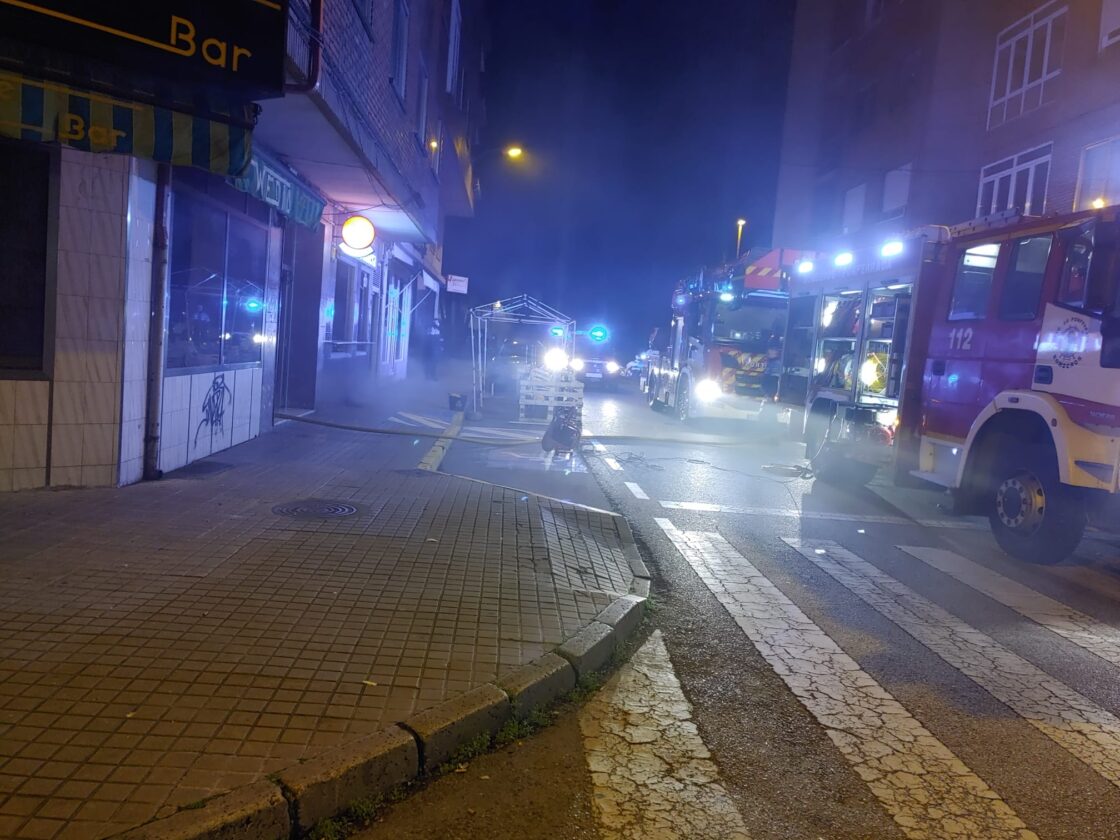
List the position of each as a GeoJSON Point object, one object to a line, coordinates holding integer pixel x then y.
{"type": "Point", "coordinates": [219, 148]}
{"type": "Point", "coordinates": [143, 132]}
{"type": "Point", "coordinates": [182, 138]}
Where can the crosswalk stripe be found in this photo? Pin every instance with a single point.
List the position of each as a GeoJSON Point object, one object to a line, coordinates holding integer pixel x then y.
{"type": "Point", "coordinates": [926, 789]}
{"type": "Point", "coordinates": [1068, 718]}
{"type": "Point", "coordinates": [1083, 630]}
{"type": "Point", "coordinates": [641, 719]}
{"type": "Point", "coordinates": [634, 488]}
{"type": "Point", "coordinates": [794, 513]}
{"type": "Point", "coordinates": [483, 431]}
{"type": "Point", "coordinates": [612, 463]}
{"type": "Point", "coordinates": [425, 421]}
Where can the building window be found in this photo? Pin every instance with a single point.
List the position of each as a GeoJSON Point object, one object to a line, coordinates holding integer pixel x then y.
{"type": "Point", "coordinates": [25, 175]}
{"type": "Point", "coordinates": [1028, 55]}
{"type": "Point", "coordinates": [219, 263]}
{"type": "Point", "coordinates": [1022, 287]}
{"type": "Point", "coordinates": [422, 107]}
{"type": "Point", "coordinates": [854, 200]}
{"type": "Point", "coordinates": [1110, 23]}
{"type": "Point", "coordinates": [896, 190]}
{"type": "Point", "coordinates": [399, 55]}
{"type": "Point", "coordinates": [454, 34]}
{"type": "Point", "coordinates": [1016, 183]}
{"type": "Point", "coordinates": [973, 286]}
{"type": "Point", "coordinates": [1100, 174]}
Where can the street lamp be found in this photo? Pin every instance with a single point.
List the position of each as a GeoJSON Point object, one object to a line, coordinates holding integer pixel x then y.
{"type": "Point", "coordinates": [514, 152]}
{"type": "Point", "coordinates": [739, 224]}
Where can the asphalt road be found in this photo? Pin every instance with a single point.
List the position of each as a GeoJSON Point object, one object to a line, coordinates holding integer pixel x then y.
{"type": "Point", "coordinates": [825, 663]}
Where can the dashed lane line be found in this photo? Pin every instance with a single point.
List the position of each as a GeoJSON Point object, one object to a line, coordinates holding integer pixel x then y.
{"type": "Point", "coordinates": [926, 789]}
{"type": "Point", "coordinates": [1068, 718]}
{"type": "Point", "coordinates": [638, 492]}
{"type": "Point", "coordinates": [794, 513]}
{"type": "Point", "coordinates": [652, 774]}
{"type": "Point", "coordinates": [612, 463]}
{"type": "Point", "coordinates": [1097, 637]}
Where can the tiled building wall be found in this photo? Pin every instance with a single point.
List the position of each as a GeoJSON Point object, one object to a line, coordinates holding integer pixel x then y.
{"type": "Point", "coordinates": [205, 413]}
{"type": "Point", "coordinates": [86, 405]}
{"type": "Point", "coordinates": [23, 434]}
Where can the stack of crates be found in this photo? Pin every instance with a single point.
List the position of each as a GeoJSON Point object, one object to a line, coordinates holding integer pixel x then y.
{"type": "Point", "coordinates": [541, 391]}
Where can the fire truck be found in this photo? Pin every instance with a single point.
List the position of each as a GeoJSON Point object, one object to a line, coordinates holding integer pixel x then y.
{"type": "Point", "coordinates": [983, 358]}
{"type": "Point", "coordinates": [725, 341]}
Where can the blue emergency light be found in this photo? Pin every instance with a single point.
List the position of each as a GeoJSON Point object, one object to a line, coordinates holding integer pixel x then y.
{"type": "Point", "coordinates": [556, 332]}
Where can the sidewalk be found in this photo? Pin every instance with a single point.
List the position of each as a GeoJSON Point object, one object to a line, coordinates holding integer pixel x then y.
{"type": "Point", "coordinates": [164, 643]}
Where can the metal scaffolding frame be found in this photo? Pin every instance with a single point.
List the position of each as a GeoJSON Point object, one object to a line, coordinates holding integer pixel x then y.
{"type": "Point", "coordinates": [522, 309]}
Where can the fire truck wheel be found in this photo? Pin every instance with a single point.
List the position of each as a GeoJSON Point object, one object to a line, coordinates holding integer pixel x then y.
{"type": "Point", "coordinates": [684, 400]}
{"type": "Point", "coordinates": [651, 395]}
{"type": "Point", "coordinates": [1034, 518]}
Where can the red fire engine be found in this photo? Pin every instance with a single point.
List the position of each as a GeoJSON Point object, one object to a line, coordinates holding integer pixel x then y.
{"type": "Point", "coordinates": [983, 358]}
{"type": "Point", "coordinates": [725, 340]}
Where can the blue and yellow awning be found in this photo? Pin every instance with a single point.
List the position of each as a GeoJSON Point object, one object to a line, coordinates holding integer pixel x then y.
{"type": "Point", "coordinates": [31, 109]}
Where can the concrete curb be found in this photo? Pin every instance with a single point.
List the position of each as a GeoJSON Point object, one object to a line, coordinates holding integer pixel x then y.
{"type": "Point", "coordinates": [329, 783]}
{"type": "Point", "coordinates": [537, 684]}
{"type": "Point", "coordinates": [382, 762]}
{"type": "Point", "coordinates": [442, 729]}
{"type": "Point", "coordinates": [435, 456]}
{"type": "Point", "coordinates": [254, 812]}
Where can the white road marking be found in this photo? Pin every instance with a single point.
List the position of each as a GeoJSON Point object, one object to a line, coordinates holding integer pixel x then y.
{"type": "Point", "coordinates": [484, 431]}
{"type": "Point", "coordinates": [598, 447]}
{"type": "Point", "coordinates": [430, 422]}
{"type": "Point", "coordinates": [651, 773]}
{"type": "Point", "coordinates": [926, 789]}
{"type": "Point", "coordinates": [612, 463]}
{"type": "Point", "coordinates": [1068, 718]}
{"type": "Point", "coordinates": [794, 513]}
{"type": "Point", "coordinates": [1083, 630]}
{"type": "Point", "coordinates": [638, 492]}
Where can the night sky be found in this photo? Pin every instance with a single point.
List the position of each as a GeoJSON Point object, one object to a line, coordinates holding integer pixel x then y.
{"type": "Point", "coordinates": [649, 128]}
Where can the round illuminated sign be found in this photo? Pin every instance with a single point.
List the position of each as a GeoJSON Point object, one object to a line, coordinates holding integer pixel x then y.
{"type": "Point", "coordinates": [358, 233]}
{"type": "Point", "coordinates": [599, 333]}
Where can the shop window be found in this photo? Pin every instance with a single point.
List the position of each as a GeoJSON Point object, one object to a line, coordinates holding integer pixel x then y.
{"type": "Point", "coordinates": [973, 285]}
{"type": "Point", "coordinates": [219, 263]}
{"type": "Point", "coordinates": [342, 328]}
{"type": "Point", "coordinates": [1022, 289]}
{"type": "Point", "coordinates": [24, 183]}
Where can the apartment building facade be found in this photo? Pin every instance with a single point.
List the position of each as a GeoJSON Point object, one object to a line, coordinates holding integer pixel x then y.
{"type": "Point", "coordinates": [903, 114]}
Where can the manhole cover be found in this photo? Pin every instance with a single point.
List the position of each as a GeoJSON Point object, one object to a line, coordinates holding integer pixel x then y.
{"type": "Point", "coordinates": [315, 509]}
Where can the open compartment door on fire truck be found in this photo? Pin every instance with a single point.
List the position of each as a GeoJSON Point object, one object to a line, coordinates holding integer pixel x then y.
{"type": "Point", "coordinates": [797, 364]}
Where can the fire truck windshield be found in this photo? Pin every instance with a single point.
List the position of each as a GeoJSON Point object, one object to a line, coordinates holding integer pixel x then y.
{"type": "Point", "coordinates": [751, 324]}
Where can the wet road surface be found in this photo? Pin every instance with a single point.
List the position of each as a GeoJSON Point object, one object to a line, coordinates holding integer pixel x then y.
{"type": "Point", "coordinates": [827, 663]}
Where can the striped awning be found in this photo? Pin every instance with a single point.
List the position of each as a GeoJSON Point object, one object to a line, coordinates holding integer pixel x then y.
{"type": "Point", "coordinates": [32, 109]}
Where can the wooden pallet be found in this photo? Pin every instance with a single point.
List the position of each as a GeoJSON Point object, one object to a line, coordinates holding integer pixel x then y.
{"type": "Point", "coordinates": [541, 392]}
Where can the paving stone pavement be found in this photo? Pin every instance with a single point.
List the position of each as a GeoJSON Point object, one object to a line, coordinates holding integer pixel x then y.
{"type": "Point", "coordinates": [166, 642]}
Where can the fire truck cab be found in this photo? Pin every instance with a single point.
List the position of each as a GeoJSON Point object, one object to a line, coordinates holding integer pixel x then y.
{"type": "Point", "coordinates": [983, 358]}
{"type": "Point", "coordinates": [725, 344]}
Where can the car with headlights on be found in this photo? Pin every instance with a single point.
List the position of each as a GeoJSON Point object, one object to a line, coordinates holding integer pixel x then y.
{"type": "Point", "coordinates": [596, 365]}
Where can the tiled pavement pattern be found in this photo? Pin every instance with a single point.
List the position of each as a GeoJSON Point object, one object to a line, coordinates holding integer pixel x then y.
{"type": "Point", "coordinates": [165, 642]}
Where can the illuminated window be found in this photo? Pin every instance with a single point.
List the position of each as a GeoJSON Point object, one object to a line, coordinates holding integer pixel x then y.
{"type": "Point", "coordinates": [1016, 183]}
{"type": "Point", "coordinates": [973, 285]}
{"type": "Point", "coordinates": [1028, 56]}
{"type": "Point", "coordinates": [1100, 174]}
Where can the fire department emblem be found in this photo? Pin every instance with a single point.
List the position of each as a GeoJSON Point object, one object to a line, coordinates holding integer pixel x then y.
{"type": "Point", "coordinates": [1070, 341]}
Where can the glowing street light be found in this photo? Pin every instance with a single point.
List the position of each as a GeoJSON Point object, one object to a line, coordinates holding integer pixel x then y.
{"type": "Point", "coordinates": [358, 234]}
{"type": "Point", "coordinates": [1098, 204]}
{"type": "Point", "coordinates": [739, 224]}
{"type": "Point", "coordinates": [514, 152]}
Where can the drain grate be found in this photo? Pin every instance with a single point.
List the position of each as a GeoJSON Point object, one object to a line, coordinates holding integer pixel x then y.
{"type": "Point", "coordinates": [315, 509]}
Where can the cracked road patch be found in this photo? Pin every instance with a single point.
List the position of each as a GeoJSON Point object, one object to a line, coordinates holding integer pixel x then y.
{"type": "Point", "coordinates": [651, 773]}
{"type": "Point", "coordinates": [927, 790]}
